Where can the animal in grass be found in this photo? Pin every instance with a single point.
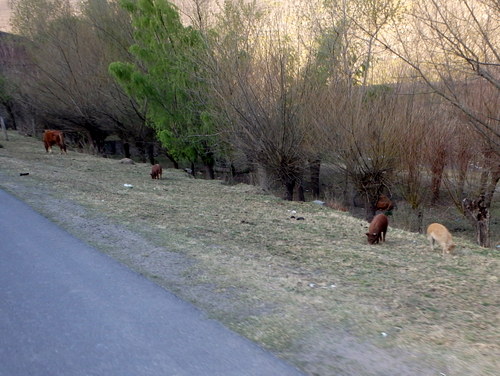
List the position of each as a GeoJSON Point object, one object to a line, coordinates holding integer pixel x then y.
{"type": "Point", "coordinates": [377, 229]}
{"type": "Point", "coordinates": [384, 203]}
{"type": "Point", "coordinates": [156, 171]}
{"type": "Point", "coordinates": [51, 138]}
{"type": "Point", "coordinates": [436, 232]}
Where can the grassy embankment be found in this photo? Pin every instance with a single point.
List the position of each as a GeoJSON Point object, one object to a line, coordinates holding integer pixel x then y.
{"type": "Point", "coordinates": [312, 291]}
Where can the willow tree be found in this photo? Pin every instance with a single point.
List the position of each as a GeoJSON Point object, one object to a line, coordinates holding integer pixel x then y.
{"type": "Point", "coordinates": [63, 79]}
{"type": "Point", "coordinates": [454, 48]}
{"type": "Point", "coordinates": [260, 87]}
{"type": "Point", "coordinates": [166, 76]}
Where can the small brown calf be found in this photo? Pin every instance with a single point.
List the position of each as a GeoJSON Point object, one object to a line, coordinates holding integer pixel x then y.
{"type": "Point", "coordinates": [156, 171]}
{"type": "Point", "coordinates": [377, 229]}
{"type": "Point", "coordinates": [384, 203]}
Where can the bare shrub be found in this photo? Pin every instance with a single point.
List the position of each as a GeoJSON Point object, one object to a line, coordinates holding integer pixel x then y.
{"type": "Point", "coordinates": [258, 85]}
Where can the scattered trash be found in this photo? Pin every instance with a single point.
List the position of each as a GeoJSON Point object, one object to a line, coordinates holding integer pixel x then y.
{"type": "Point", "coordinates": [321, 285]}
{"type": "Point", "coordinates": [384, 334]}
{"type": "Point", "coordinates": [300, 218]}
{"type": "Point", "coordinates": [292, 211]}
{"type": "Point", "coordinates": [128, 185]}
{"type": "Point", "coordinates": [24, 173]}
{"type": "Point", "coordinates": [318, 202]}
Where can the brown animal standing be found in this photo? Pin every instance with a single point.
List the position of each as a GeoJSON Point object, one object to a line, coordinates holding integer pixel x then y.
{"type": "Point", "coordinates": [377, 229]}
{"type": "Point", "coordinates": [384, 203]}
{"type": "Point", "coordinates": [51, 138]}
{"type": "Point", "coordinates": [438, 233]}
{"type": "Point", "coordinates": [156, 171]}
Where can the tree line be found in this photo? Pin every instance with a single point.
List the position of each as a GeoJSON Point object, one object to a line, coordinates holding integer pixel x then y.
{"type": "Point", "coordinates": [401, 97]}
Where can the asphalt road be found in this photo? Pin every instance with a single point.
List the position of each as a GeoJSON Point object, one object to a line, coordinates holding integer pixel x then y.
{"type": "Point", "coordinates": [67, 309]}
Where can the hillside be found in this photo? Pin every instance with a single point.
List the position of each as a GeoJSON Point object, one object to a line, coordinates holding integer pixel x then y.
{"type": "Point", "coordinates": [312, 291]}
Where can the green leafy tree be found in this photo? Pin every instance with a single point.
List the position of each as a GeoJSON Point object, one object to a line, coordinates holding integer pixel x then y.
{"type": "Point", "coordinates": [168, 79]}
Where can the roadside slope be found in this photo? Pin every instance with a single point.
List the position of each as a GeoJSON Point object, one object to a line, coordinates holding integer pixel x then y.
{"type": "Point", "coordinates": [311, 291]}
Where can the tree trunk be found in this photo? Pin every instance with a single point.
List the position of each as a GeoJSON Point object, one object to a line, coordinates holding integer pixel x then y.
{"type": "Point", "coordinates": [263, 178]}
{"type": "Point", "coordinates": [141, 148]}
{"type": "Point", "coordinates": [478, 214]}
{"type": "Point", "coordinates": [369, 212]}
{"type": "Point", "coordinates": [490, 189]}
{"type": "Point", "coordinates": [172, 159]}
{"type": "Point", "coordinates": [371, 198]}
{"type": "Point", "coordinates": [209, 170]}
{"type": "Point", "coordinates": [150, 151]}
{"type": "Point", "coordinates": [483, 181]}
{"type": "Point", "coordinates": [314, 168]}
{"type": "Point", "coordinates": [209, 163]}
{"type": "Point", "coordinates": [300, 192]}
{"type": "Point", "coordinates": [437, 170]}
{"type": "Point", "coordinates": [462, 173]}
{"type": "Point", "coordinates": [193, 174]}
{"type": "Point", "coordinates": [4, 129]}
{"type": "Point", "coordinates": [289, 187]}
{"type": "Point", "coordinates": [437, 177]}
{"type": "Point", "coordinates": [12, 115]}
{"type": "Point", "coordinates": [233, 171]}
{"type": "Point", "coordinates": [126, 149]}
{"type": "Point", "coordinates": [420, 221]}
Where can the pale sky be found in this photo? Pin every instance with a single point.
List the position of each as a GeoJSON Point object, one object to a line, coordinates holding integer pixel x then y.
{"type": "Point", "coordinates": [4, 15]}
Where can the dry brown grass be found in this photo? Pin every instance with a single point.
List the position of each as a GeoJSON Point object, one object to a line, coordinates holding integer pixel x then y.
{"type": "Point", "coordinates": [313, 291]}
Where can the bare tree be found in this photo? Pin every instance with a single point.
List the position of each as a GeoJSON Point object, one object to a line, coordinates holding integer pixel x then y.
{"type": "Point", "coordinates": [68, 84]}
{"type": "Point", "coordinates": [473, 171]}
{"type": "Point", "coordinates": [415, 120]}
{"type": "Point", "coordinates": [360, 134]}
{"type": "Point", "coordinates": [258, 82]}
{"type": "Point", "coordinates": [453, 46]}
{"type": "Point", "coordinates": [351, 114]}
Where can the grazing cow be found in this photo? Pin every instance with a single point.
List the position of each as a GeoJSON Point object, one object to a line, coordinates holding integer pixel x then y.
{"type": "Point", "coordinates": [384, 203]}
{"type": "Point", "coordinates": [156, 171]}
{"type": "Point", "coordinates": [377, 229]}
{"type": "Point", "coordinates": [437, 232]}
{"type": "Point", "coordinates": [51, 138]}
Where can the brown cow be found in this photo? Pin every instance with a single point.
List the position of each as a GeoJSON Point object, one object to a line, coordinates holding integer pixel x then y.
{"type": "Point", "coordinates": [377, 229]}
{"type": "Point", "coordinates": [156, 171]}
{"type": "Point", "coordinates": [51, 137]}
{"type": "Point", "coordinates": [384, 203]}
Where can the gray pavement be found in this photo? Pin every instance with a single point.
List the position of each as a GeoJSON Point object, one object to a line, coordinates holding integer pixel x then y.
{"type": "Point", "coordinates": [67, 309]}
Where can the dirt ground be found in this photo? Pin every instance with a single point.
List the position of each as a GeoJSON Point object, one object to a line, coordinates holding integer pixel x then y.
{"type": "Point", "coordinates": [311, 291]}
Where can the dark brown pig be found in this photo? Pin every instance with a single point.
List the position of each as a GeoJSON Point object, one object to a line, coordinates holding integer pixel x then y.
{"type": "Point", "coordinates": [377, 229]}
{"type": "Point", "coordinates": [156, 171]}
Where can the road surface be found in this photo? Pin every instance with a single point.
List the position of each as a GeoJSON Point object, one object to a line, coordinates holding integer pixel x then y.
{"type": "Point", "coordinates": [68, 310]}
